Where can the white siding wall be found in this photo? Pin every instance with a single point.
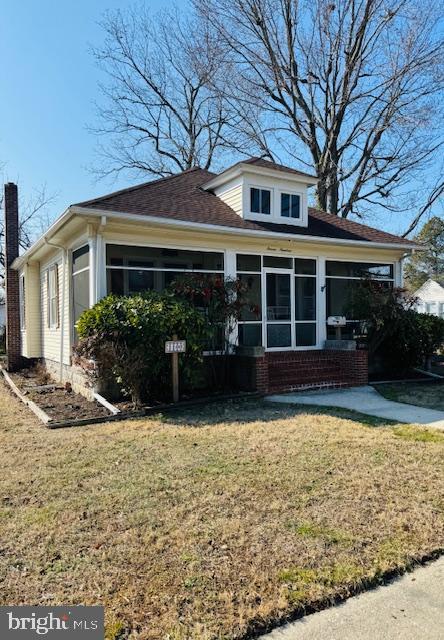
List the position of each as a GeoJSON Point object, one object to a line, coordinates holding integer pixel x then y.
{"type": "Point", "coordinates": [51, 336]}
{"type": "Point", "coordinates": [430, 298]}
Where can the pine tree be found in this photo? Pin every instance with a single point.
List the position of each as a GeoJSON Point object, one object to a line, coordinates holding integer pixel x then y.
{"type": "Point", "coordinates": [428, 263]}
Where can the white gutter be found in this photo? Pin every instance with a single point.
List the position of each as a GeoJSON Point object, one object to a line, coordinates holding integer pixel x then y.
{"type": "Point", "coordinates": [197, 226]}
{"type": "Point", "coordinates": [62, 314]}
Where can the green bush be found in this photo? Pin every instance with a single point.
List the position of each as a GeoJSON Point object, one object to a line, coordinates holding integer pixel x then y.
{"type": "Point", "coordinates": [125, 337]}
{"type": "Point", "coordinates": [400, 336]}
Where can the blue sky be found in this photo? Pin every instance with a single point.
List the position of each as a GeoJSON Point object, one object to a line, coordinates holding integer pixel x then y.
{"type": "Point", "coordinates": [49, 85]}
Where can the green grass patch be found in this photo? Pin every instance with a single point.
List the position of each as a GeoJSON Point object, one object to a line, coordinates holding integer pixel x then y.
{"type": "Point", "coordinates": [416, 434]}
{"type": "Point", "coordinates": [311, 530]}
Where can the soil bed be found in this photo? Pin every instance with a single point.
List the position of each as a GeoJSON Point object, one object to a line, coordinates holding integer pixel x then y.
{"type": "Point", "coordinates": [58, 402]}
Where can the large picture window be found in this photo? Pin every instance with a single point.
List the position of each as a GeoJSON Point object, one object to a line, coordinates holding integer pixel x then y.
{"type": "Point", "coordinates": [133, 269]}
{"type": "Point", "coordinates": [80, 283]}
{"type": "Point", "coordinates": [341, 279]}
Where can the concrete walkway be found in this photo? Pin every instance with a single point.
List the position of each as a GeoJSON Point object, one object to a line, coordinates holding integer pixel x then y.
{"type": "Point", "coordinates": [411, 608]}
{"type": "Point", "coordinates": [366, 400]}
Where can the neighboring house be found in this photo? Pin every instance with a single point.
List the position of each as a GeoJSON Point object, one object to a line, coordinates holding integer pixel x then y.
{"type": "Point", "coordinates": [430, 297]}
{"type": "Point", "coordinates": [251, 221]}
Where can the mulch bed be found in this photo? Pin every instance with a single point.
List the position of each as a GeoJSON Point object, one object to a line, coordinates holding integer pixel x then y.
{"type": "Point", "coordinates": [58, 401]}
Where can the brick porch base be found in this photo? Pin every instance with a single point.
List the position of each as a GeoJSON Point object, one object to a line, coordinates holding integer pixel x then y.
{"type": "Point", "coordinates": [281, 371]}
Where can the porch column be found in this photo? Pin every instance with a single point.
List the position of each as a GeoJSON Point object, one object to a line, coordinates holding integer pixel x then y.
{"type": "Point", "coordinates": [322, 302]}
{"type": "Point", "coordinates": [100, 268]}
{"type": "Point", "coordinates": [92, 243]}
{"type": "Point", "coordinates": [398, 275]}
{"type": "Point", "coordinates": [230, 271]}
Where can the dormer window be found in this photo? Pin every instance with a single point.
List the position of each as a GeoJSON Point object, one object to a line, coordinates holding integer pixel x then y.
{"type": "Point", "coordinates": [260, 201]}
{"type": "Point", "coordinates": [290, 205]}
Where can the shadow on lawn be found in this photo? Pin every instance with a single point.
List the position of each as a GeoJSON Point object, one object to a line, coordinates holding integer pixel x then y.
{"type": "Point", "coordinates": [258, 410]}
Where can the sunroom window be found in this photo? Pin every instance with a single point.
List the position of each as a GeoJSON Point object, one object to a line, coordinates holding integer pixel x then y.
{"type": "Point", "coordinates": [131, 270]}
{"type": "Point", "coordinates": [342, 278]}
{"type": "Point", "coordinates": [260, 201]}
{"type": "Point", "coordinates": [80, 283]}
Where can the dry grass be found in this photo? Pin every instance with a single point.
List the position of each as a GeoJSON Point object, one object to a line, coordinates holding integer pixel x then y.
{"type": "Point", "coordinates": [214, 522]}
{"type": "Point", "coordinates": [428, 394]}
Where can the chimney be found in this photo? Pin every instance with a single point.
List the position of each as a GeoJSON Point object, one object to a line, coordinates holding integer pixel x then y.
{"type": "Point", "coordinates": [14, 359]}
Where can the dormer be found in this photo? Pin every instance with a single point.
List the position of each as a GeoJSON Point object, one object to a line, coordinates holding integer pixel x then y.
{"type": "Point", "coordinates": [264, 191]}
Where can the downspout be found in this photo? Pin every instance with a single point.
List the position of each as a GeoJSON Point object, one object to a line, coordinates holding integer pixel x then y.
{"type": "Point", "coordinates": [62, 314]}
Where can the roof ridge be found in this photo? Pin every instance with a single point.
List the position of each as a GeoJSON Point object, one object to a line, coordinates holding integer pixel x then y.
{"type": "Point", "coordinates": [139, 186]}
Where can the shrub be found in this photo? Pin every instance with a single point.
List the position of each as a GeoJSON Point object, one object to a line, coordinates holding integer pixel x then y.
{"type": "Point", "coordinates": [401, 336]}
{"type": "Point", "coordinates": [125, 336]}
{"type": "Point", "coordinates": [222, 301]}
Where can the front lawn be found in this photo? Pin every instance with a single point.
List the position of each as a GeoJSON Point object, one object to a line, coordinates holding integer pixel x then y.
{"type": "Point", "coordinates": [422, 394]}
{"type": "Point", "coordinates": [212, 523]}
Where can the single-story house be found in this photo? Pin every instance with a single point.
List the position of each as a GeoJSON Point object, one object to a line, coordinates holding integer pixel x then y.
{"type": "Point", "coordinates": [250, 221]}
{"type": "Point", "coordinates": [430, 297]}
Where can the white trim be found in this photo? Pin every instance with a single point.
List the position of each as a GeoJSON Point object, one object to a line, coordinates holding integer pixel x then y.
{"type": "Point", "coordinates": [74, 210]}
{"type": "Point", "coordinates": [242, 167]}
{"type": "Point", "coordinates": [257, 215]}
{"type": "Point", "coordinates": [302, 213]}
{"type": "Point", "coordinates": [74, 273]}
{"type": "Point", "coordinates": [125, 268]}
{"type": "Point", "coordinates": [198, 226]}
{"type": "Point", "coordinates": [22, 302]}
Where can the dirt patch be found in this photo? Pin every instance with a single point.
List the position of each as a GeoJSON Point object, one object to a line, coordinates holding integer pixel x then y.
{"type": "Point", "coordinates": [58, 401]}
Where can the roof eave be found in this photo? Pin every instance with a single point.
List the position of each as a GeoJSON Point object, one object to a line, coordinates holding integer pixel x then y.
{"type": "Point", "coordinates": [38, 244]}
{"type": "Point", "coordinates": [198, 226]}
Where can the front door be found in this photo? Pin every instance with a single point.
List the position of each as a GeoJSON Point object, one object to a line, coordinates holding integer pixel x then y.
{"type": "Point", "coordinates": [279, 323]}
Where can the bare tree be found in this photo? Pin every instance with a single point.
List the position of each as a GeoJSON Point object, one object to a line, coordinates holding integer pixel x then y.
{"type": "Point", "coordinates": [33, 221]}
{"type": "Point", "coordinates": [351, 88]}
{"type": "Point", "coordinates": [160, 113]}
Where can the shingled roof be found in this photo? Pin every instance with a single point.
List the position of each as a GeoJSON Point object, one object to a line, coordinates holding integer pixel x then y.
{"type": "Point", "coordinates": [180, 197]}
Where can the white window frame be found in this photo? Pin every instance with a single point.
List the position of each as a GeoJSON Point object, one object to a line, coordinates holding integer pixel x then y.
{"type": "Point", "coordinates": [157, 245]}
{"type": "Point", "coordinates": [275, 190]}
{"type": "Point", "coordinates": [22, 301]}
{"type": "Point", "coordinates": [293, 276]}
{"type": "Point", "coordinates": [261, 216]}
{"type": "Point", "coordinates": [73, 274]}
{"type": "Point", "coordinates": [288, 192]}
{"type": "Point", "coordinates": [361, 261]}
{"type": "Point", "coordinates": [52, 281]}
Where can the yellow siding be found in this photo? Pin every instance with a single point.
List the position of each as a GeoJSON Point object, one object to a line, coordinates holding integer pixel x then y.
{"type": "Point", "coordinates": [52, 336]}
{"type": "Point", "coordinates": [31, 347]}
{"type": "Point", "coordinates": [233, 198]}
{"type": "Point", "coordinates": [231, 194]}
